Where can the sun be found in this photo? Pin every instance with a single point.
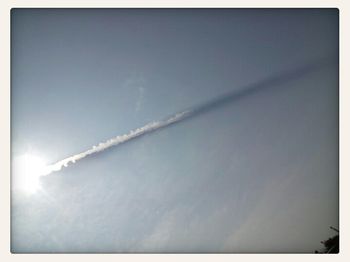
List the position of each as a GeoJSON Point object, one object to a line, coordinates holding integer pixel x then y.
{"type": "Point", "coordinates": [28, 169]}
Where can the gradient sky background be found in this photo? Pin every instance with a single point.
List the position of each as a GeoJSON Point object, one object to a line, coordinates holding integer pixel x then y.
{"type": "Point", "coordinates": [259, 174]}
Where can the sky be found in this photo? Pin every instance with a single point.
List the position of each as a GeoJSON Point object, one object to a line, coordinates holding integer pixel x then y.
{"type": "Point", "coordinates": [254, 169]}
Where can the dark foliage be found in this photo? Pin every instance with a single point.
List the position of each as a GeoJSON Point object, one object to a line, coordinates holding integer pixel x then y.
{"type": "Point", "coordinates": [331, 245]}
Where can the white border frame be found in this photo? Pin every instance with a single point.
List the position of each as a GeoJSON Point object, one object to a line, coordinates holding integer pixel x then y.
{"type": "Point", "coordinates": [344, 81]}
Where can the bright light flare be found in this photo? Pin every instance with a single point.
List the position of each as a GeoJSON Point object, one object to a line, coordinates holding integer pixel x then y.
{"type": "Point", "coordinates": [27, 172]}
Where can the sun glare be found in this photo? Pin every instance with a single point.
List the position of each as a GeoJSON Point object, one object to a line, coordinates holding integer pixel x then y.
{"type": "Point", "coordinates": [28, 170]}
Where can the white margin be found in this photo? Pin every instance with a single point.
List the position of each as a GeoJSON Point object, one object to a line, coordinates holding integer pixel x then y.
{"type": "Point", "coordinates": [6, 5]}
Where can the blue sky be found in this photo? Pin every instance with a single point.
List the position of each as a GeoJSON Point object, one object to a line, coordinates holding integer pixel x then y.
{"type": "Point", "coordinates": [259, 174]}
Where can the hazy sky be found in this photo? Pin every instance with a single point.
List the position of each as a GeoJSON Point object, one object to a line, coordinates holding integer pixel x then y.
{"type": "Point", "coordinates": [259, 174]}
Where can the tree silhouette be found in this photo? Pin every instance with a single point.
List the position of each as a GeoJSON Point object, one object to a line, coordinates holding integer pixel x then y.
{"type": "Point", "coordinates": [331, 245]}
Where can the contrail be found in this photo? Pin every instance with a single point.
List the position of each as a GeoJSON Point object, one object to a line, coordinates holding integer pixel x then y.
{"type": "Point", "coordinates": [194, 111]}
{"type": "Point", "coordinates": [118, 140]}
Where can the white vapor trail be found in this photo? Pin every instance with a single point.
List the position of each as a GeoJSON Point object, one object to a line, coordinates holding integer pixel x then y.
{"type": "Point", "coordinates": [219, 101]}
{"type": "Point", "coordinates": [118, 140]}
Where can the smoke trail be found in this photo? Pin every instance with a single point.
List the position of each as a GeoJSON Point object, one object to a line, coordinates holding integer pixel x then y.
{"type": "Point", "coordinates": [118, 140]}
{"type": "Point", "coordinates": [195, 111]}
